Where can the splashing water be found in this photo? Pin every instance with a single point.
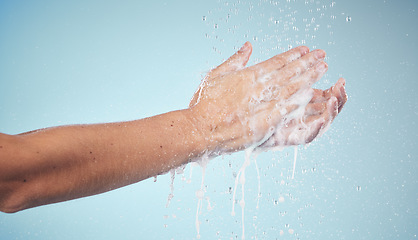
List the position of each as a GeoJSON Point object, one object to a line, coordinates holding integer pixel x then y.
{"type": "Point", "coordinates": [294, 162]}
{"type": "Point", "coordinates": [201, 192]}
{"type": "Point", "coordinates": [171, 195]}
{"type": "Point", "coordinates": [291, 131]}
{"type": "Point", "coordinates": [284, 30]}
{"type": "Point", "coordinates": [241, 177]}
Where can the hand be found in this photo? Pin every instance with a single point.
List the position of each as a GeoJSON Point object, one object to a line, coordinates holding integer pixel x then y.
{"type": "Point", "coordinates": [237, 107]}
{"type": "Point", "coordinates": [319, 114]}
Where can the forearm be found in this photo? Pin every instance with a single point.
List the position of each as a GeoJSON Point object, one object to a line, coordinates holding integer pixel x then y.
{"type": "Point", "coordinates": [63, 163]}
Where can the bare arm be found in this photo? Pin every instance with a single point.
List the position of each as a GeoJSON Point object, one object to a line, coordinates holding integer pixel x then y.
{"type": "Point", "coordinates": [234, 108]}
{"type": "Point", "coordinates": [63, 163]}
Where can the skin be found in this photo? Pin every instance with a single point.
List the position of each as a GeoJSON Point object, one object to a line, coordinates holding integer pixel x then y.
{"type": "Point", "coordinates": [63, 163]}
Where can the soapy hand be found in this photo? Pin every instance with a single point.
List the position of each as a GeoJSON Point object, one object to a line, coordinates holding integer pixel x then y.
{"type": "Point", "coordinates": [266, 105]}
{"type": "Point", "coordinates": [319, 114]}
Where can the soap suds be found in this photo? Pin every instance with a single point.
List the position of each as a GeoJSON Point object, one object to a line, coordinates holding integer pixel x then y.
{"type": "Point", "coordinates": [294, 161]}
{"type": "Point", "coordinates": [201, 192]}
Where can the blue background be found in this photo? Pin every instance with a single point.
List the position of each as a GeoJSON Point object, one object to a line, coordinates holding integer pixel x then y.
{"type": "Point", "coordinates": [69, 62]}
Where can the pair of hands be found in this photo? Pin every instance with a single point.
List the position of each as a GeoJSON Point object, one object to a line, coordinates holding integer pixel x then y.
{"type": "Point", "coordinates": [268, 105]}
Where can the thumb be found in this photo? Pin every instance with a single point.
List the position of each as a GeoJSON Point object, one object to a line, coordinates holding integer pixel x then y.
{"type": "Point", "coordinates": [235, 62]}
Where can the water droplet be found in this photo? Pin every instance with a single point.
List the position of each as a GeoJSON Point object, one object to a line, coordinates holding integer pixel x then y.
{"type": "Point", "coordinates": [348, 19]}
{"type": "Point", "coordinates": [204, 18]}
{"type": "Point", "coordinates": [255, 38]}
{"type": "Point", "coordinates": [215, 25]}
{"type": "Point", "coordinates": [286, 225]}
{"type": "Point", "coordinates": [359, 188]}
{"type": "Point", "coordinates": [276, 21]}
{"type": "Point", "coordinates": [200, 193]}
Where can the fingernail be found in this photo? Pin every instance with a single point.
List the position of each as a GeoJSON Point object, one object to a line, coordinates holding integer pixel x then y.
{"type": "Point", "coordinates": [322, 67]}
{"type": "Point", "coordinates": [304, 50]}
{"type": "Point", "coordinates": [320, 54]}
{"type": "Point", "coordinates": [244, 47]}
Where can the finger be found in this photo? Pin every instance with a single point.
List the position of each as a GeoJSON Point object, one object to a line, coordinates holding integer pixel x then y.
{"type": "Point", "coordinates": [343, 95]}
{"type": "Point", "coordinates": [297, 91]}
{"type": "Point", "coordinates": [235, 62]}
{"type": "Point", "coordinates": [272, 111]}
{"type": "Point", "coordinates": [333, 109]}
{"type": "Point", "coordinates": [329, 115]}
{"type": "Point", "coordinates": [281, 60]}
{"type": "Point", "coordinates": [311, 76]}
{"type": "Point", "coordinates": [301, 132]}
{"type": "Point", "coordinates": [317, 108]}
{"type": "Point", "coordinates": [276, 120]}
{"type": "Point", "coordinates": [338, 91]}
{"type": "Point", "coordinates": [319, 95]}
{"type": "Point", "coordinates": [298, 67]}
{"type": "Point", "coordinates": [313, 130]}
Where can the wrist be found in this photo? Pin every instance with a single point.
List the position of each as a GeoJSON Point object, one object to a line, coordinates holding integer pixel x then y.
{"type": "Point", "coordinates": [215, 134]}
{"type": "Point", "coordinates": [204, 137]}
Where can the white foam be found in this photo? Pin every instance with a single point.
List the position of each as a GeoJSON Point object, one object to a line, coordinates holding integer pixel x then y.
{"type": "Point", "coordinates": [258, 180]}
{"type": "Point", "coordinates": [292, 130]}
{"type": "Point", "coordinates": [201, 192]}
{"type": "Point", "coordinates": [241, 178]}
{"type": "Point", "coordinates": [294, 161]}
{"type": "Point", "coordinates": [171, 195]}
